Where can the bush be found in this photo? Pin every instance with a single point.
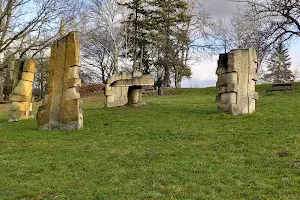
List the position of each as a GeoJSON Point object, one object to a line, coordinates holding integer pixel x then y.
{"type": "Point", "coordinates": [91, 88]}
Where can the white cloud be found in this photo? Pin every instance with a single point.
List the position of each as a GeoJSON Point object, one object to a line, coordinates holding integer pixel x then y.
{"type": "Point", "coordinates": [220, 8]}
{"type": "Point", "coordinates": [203, 73]}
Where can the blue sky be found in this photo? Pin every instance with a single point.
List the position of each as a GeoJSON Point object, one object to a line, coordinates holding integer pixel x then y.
{"type": "Point", "coordinates": [203, 73]}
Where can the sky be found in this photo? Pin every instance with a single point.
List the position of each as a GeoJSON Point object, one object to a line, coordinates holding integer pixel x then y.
{"type": "Point", "coordinates": [203, 73]}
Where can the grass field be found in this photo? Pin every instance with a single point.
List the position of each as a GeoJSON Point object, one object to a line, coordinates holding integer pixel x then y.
{"type": "Point", "coordinates": [176, 147]}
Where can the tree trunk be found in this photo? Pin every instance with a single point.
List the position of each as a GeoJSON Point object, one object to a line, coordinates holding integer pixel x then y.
{"type": "Point", "coordinates": [1, 86]}
{"type": "Point", "coordinates": [167, 76]}
{"type": "Point", "coordinates": [116, 60]}
{"type": "Point", "coordinates": [134, 67]}
{"type": "Point", "coordinates": [160, 90]}
{"type": "Point", "coordinates": [141, 59]}
{"type": "Point", "coordinates": [176, 77]}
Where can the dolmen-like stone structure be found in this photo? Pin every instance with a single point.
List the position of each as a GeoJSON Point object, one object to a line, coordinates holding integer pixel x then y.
{"type": "Point", "coordinates": [62, 106]}
{"type": "Point", "coordinates": [124, 88]}
{"type": "Point", "coordinates": [23, 76]}
{"type": "Point", "coordinates": [237, 74]}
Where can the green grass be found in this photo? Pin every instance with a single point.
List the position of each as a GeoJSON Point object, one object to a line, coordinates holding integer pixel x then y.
{"type": "Point", "coordinates": [176, 147]}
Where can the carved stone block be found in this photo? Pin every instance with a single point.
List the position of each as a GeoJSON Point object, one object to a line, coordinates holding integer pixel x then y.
{"type": "Point", "coordinates": [237, 73]}
{"type": "Point", "coordinates": [123, 88]}
{"type": "Point", "coordinates": [62, 107]}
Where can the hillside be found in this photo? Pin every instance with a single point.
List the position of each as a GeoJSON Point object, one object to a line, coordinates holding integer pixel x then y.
{"type": "Point", "coordinates": [176, 147]}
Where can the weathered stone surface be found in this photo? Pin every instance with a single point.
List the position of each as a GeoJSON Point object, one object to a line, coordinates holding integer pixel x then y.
{"type": "Point", "coordinates": [21, 107]}
{"type": "Point", "coordinates": [228, 88]}
{"type": "Point", "coordinates": [19, 115]}
{"type": "Point", "coordinates": [135, 95]}
{"type": "Point", "coordinates": [237, 73]}
{"type": "Point", "coordinates": [29, 66]}
{"type": "Point", "coordinates": [71, 117]}
{"type": "Point", "coordinates": [62, 107]}
{"type": "Point", "coordinates": [20, 98]}
{"type": "Point", "coordinates": [125, 88]}
{"type": "Point", "coordinates": [72, 93]}
{"type": "Point", "coordinates": [17, 73]}
{"type": "Point", "coordinates": [227, 78]}
{"type": "Point", "coordinates": [229, 98]}
{"type": "Point", "coordinates": [137, 74]}
{"type": "Point", "coordinates": [28, 76]}
{"type": "Point", "coordinates": [73, 73]}
{"type": "Point", "coordinates": [23, 88]}
{"type": "Point", "coordinates": [43, 117]}
{"type": "Point", "coordinates": [135, 81]}
{"type": "Point", "coordinates": [74, 82]}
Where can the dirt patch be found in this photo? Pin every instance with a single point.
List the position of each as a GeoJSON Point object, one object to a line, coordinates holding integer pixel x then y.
{"type": "Point", "coordinates": [2, 142]}
{"type": "Point", "coordinates": [296, 163]}
{"type": "Point", "coordinates": [283, 154]}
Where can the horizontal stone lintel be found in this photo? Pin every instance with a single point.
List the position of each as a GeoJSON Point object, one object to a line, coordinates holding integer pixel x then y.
{"type": "Point", "coordinates": [140, 81]}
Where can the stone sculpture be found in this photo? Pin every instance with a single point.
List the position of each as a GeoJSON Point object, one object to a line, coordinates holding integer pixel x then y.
{"type": "Point", "coordinates": [237, 73]}
{"type": "Point", "coordinates": [23, 75]}
{"type": "Point", "coordinates": [123, 88]}
{"type": "Point", "coordinates": [62, 106]}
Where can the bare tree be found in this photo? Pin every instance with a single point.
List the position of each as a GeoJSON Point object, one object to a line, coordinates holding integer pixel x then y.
{"type": "Point", "coordinates": [249, 32]}
{"type": "Point", "coordinates": [102, 38]}
{"type": "Point", "coordinates": [281, 18]}
{"type": "Point", "coordinates": [29, 25]}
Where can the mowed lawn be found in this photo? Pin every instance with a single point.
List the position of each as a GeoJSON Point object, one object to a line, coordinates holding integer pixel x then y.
{"type": "Point", "coordinates": [175, 147]}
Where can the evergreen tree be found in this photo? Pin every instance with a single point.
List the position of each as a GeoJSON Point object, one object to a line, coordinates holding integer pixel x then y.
{"type": "Point", "coordinates": [157, 38]}
{"type": "Point", "coordinates": [167, 33]}
{"type": "Point", "coordinates": [278, 70]}
{"type": "Point", "coordinates": [137, 43]}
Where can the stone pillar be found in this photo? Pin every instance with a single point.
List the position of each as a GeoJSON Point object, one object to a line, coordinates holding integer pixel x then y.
{"type": "Point", "coordinates": [237, 73]}
{"type": "Point", "coordinates": [21, 107]}
{"type": "Point", "coordinates": [62, 106]}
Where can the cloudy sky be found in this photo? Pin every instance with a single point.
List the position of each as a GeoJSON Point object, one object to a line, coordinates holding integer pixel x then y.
{"type": "Point", "coordinates": [204, 72]}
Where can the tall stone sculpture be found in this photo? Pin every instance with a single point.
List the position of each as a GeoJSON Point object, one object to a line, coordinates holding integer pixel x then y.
{"type": "Point", "coordinates": [123, 88]}
{"type": "Point", "coordinates": [62, 106]}
{"type": "Point", "coordinates": [237, 73]}
{"type": "Point", "coordinates": [23, 75]}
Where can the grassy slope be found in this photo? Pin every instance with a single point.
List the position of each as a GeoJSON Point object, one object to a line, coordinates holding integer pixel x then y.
{"type": "Point", "coordinates": [176, 147]}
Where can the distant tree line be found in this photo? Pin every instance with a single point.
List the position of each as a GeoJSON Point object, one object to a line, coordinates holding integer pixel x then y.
{"type": "Point", "coordinates": [153, 36]}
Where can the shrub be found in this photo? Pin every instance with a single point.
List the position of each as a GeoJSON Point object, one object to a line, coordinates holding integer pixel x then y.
{"type": "Point", "coordinates": [91, 88]}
